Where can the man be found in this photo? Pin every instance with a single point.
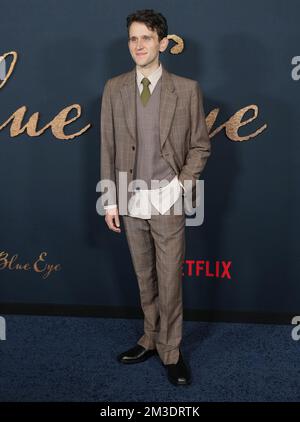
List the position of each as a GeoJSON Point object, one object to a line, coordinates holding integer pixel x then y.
{"type": "Point", "coordinates": [153, 128]}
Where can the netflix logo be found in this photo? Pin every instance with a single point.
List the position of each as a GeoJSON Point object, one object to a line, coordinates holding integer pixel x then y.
{"type": "Point", "coordinates": [207, 269]}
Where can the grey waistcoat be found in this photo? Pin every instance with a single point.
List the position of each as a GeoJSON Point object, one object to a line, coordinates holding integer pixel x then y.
{"type": "Point", "coordinates": [149, 162]}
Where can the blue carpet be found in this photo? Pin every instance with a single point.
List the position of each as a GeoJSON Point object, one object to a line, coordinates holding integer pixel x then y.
{"type": "Point", "coordinates": [74, 359]}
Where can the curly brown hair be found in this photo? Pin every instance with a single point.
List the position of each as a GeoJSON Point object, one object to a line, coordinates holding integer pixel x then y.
{"type": "Point", "coordinates": [153, 20]}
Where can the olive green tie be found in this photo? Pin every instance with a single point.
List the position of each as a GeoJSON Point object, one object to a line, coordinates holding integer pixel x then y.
{"type": "Point", "coordinates": [145, 95]}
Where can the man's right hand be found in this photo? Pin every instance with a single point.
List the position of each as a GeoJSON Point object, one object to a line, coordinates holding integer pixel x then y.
{"type": "Point", "coordinates": [112, 219]}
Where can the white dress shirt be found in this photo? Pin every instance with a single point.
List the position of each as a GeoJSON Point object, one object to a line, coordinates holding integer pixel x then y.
{"type": "Point", "coordinates": [143, 200]}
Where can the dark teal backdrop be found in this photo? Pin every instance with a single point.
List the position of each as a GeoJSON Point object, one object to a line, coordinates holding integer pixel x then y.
{"type": "Point", "coordinates": [241, 54]}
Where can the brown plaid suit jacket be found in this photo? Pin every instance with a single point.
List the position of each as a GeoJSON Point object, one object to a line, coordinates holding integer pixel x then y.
{"type": "Point", "coordinates": [185, 143]}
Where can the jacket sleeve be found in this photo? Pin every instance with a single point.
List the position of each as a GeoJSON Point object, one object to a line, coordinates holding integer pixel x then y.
{"type": "Point", "coordinates": [107, 142]}
{"type": "Point", "coordinates": [200, 144]}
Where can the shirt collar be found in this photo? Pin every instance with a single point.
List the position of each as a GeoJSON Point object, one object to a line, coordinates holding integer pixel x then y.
{"type": "Point", "coordinates": [153, 77]}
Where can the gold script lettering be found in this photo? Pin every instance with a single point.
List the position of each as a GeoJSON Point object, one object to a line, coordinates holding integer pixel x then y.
{"type": "Point", "coordinates": [47, 269]}
{"type": "Point", "coordinates": [11, 263]}
{"type": "Point", "coordinates": [57, 124]}
{"type": "Point", "coordinates": [234, 123]}
{"type": "Point", "coordinates": [61, 120]}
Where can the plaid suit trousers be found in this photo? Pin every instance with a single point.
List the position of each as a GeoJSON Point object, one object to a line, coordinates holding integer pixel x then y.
{"type": "Point", "coordinates": [157, 248]}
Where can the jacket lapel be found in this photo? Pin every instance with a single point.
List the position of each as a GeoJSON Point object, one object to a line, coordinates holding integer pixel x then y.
{"type": "Point", "coordinates": [128, 93]}
{"type": "Point", "coordinates": [168, 99]}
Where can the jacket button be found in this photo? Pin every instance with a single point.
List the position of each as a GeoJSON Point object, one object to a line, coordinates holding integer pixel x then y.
{"type": "Point", "coordinates": [130, 170]}
{"type": "Point", "coordinates": [133, 147]}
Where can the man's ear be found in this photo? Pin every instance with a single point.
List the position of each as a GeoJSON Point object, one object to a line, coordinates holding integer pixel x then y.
{"type": "Point", "coordinates": [163, 44]}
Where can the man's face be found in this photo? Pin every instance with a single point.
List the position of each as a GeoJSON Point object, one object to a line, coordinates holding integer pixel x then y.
{"type": "Point", "coordinates": [144, 45]}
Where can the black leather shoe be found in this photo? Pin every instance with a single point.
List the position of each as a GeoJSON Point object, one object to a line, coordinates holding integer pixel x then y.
{"type": "Point", "coordinates": [136, 354]}
{"type": "Point", "coordinates": [178, 373]}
